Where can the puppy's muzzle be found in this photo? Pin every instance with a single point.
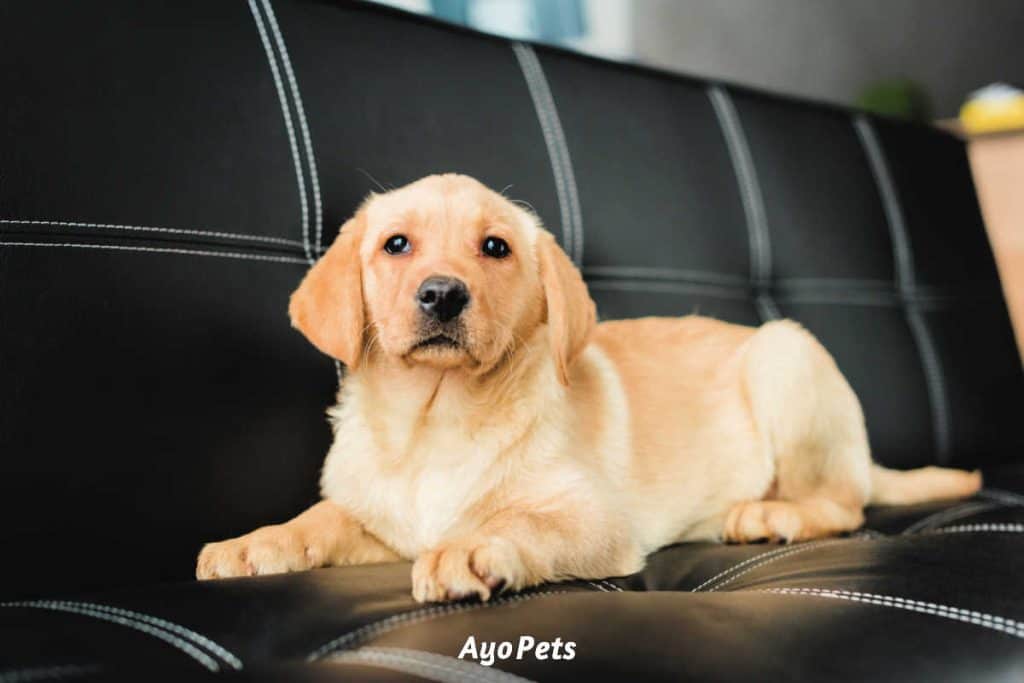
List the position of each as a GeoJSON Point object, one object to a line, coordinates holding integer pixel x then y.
{"type": "Point", "coordinates": [442, 298]}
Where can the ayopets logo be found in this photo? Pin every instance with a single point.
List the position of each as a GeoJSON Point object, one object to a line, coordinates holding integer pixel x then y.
{"type": "Point", "coordinates": [487, 652]}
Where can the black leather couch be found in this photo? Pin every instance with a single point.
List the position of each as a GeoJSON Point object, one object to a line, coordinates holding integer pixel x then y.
{"type": "Point", "coordinates": [168, 170]}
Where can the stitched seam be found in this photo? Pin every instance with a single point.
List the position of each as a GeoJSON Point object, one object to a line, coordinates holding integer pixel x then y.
{"type": "Point", "coordinates": [307, 140]}
{"type": "Point", "coordinates": [852, 298]}
{"type": "Point", "coordinates": [980, 528]}
{"type": "Point", "coordinates": [957, 512]}
{"type": "Point", "coordinates": [1005, 497]}
{"type": "Point", "coordinates": [169, 638]}
{"type": "Point", "coordinates": [41, 673]}
{"type": "Point", "coordinates": [764, 558]}
{"type": "Point", "coordinates": [766, 307]}
{"type": "Point", "coordinates": [566, 158]}
{"type": "Point", "coordinates": [732, 291]}
{"type": "Point", "coordinates": [195, 637]}
{"type": "Point", "coordinates": [903, 262]}
{"type": "Point", "coordinates": [750, 196]}
{"type": "Point", "coordinates": [289, 127]}
{"type": "Point", "coordinates": [522, 54]}
{"type": "Point", "coordinates": [791, 551]}
{"type": "Point", "coordinates": [996, 623]}
{"type": "Point", "coordinates": [415, 661]}
{"type": "Point", "coordinates": [558, 149]}
{"type": "Point", "coordinates": [605, 586]}
{"type": "Point", "coordinates": [382, 626]}
{"type": "Point", "coordinates": [158, 250]}
{"type": "Point", "coordinates": [669, 288]}
{"type": "Point", "coordinates": [144, 228]}
{"type": "Point", "coordinates": [841, 291]}
{"type": "Point", "coordinates": [838, 282]}
{"type": "Point", "coordinates": [657, 272]}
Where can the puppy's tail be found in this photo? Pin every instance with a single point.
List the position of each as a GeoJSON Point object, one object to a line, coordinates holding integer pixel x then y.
{"type": "Point", "coordinates": [895, 487]}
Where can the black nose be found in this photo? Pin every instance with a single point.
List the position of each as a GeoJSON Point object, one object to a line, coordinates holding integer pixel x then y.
{"type": "Point", "coordinates": [442, 298]}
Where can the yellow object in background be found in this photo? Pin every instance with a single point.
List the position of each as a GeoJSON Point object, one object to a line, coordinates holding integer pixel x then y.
{"type": "Point", "coordinates": [992, 109]}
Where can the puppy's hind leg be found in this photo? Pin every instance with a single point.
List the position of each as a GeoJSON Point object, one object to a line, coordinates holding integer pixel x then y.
{"type": "Point", "coordinates": [814, 429]}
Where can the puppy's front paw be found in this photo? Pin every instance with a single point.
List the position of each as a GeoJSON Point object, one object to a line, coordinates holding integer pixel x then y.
{"type": "Point", "coordinates": [269, 550]}
{"type": "Point", "coordinates": [465, 568]}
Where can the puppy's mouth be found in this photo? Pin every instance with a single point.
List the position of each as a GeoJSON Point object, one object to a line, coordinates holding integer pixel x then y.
{"type": "Point", "coordinates": [438, 341]}
{"type": "Point", "coordinates": [441, 348]}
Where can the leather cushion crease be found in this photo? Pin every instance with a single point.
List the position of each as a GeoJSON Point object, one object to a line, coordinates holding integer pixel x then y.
{"type": "Point", "coordinates": [172, 169]}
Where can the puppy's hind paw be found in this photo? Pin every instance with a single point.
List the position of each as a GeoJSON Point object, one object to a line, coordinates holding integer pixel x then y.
{"type": "Point", "coordinates": [763, 520]}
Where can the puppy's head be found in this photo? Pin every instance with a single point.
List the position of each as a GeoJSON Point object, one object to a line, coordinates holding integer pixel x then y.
{"type": "Point", "coordinates": [445, 273]}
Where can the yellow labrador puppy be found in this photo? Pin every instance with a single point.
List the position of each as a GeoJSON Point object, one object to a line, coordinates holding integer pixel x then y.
{"type": "Point", "coordinates": [491, 431]}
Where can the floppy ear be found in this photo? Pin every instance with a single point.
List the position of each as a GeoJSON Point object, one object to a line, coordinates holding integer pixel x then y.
{"type": "Point", "coordinates": [328, 305]}
{"type": "Point", "coordinates": [571, 314]}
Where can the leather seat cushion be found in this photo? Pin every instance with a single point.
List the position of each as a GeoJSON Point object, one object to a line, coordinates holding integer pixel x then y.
{"type": "Point", "coordinates": [922, 592]}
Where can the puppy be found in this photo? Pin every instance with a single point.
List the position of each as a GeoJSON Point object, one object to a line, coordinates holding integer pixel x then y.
{"type": "Point", "coordinates": [491, 431]}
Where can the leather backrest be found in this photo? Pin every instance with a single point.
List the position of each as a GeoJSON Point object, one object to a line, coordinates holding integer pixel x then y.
{"type": "Point", "coordinates": [169, 170]}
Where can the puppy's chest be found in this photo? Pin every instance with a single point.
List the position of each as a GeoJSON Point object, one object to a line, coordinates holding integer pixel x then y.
{"type": "Point", "coordinates": [412, 499]}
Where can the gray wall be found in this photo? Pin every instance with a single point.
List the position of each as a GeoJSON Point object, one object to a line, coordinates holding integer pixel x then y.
{"type": "Point", "coordinates": [828, 49]}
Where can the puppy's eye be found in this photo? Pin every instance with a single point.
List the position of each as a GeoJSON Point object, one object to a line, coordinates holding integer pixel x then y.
{"type": "Point", "coordinates": [397, 244]}
{"type": "Point", "coordinates": [495, 247]}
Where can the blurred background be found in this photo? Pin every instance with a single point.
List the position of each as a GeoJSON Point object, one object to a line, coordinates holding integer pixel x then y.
{"type": "Point", "coordinates": [955, 63]}
{"type": "Point", "coordinates": [844, 51]}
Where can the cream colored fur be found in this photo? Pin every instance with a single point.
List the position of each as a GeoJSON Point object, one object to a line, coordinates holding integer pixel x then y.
{"type": "Point", "coordinates": [549, 447]}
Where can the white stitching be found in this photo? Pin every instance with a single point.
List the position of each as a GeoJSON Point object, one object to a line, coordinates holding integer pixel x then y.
{"type": "Point", "coordinates": [842, 291]}
{"type": "Point", "coordinates": [46, 673]}
{"type": "Point", "coordinates": [904, 267]}
{"type": "Point", "coordinates": [161, 250]}
{"type": "Point", "coordinates": [558, 149]}
{"type": "Point", "coordinates": [376, 628]}
{"type": "Point", "coordinates": [766, 307]}
{"type": "Point", "coordinates": [791, 551]}
{"type": "Point", "coordinates": [427, 665]}
{"type": "Point", "coordinates": [996, 623]}
{"type": "Point", "coordinates": [197, 638]}
{"type": "Point", "coordinates": [289, 127]}
{"type": "Point", "coordinates": [686, 275]}
{"type": "Point", "coordinates": [729, 291]}
{"type": "Point", "coordinates": [605, 586]}
{"type": "Point", "coordinates": [523, 54]}
{"type": "Point", "coordinates": [734, 567]}
{"type": "Point", "coordinates": [563, 148]}
{"type": "Point", "coordinates": [765, 556]}
{"type": "Point", "coordinates": [718, 291]}
{"type": "Point", "coordinates": [961, 511]}
{"type": "Point", "coordinates": [750, 194]}
{"type": "Point", "coordinates": [847, 298]}
{"type": "Point", "coordinates": [841, 283]}
{"type": "Point", "coordinates": [980, 528]}
{"type": "Point", "coordinates": [307, 141]}
{"type": "Point", "coordinates": [145, 228]}
{"type": "Point", "coordinates": [1006, 497]}
{"type": "Point", "coordinates": [142, 627]}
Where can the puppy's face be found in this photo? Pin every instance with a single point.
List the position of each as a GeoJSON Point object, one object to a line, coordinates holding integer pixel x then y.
{"type": "Point", "coordinates": [450, 274]}
{"type": "Point", "coordinates": [445, 273]}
